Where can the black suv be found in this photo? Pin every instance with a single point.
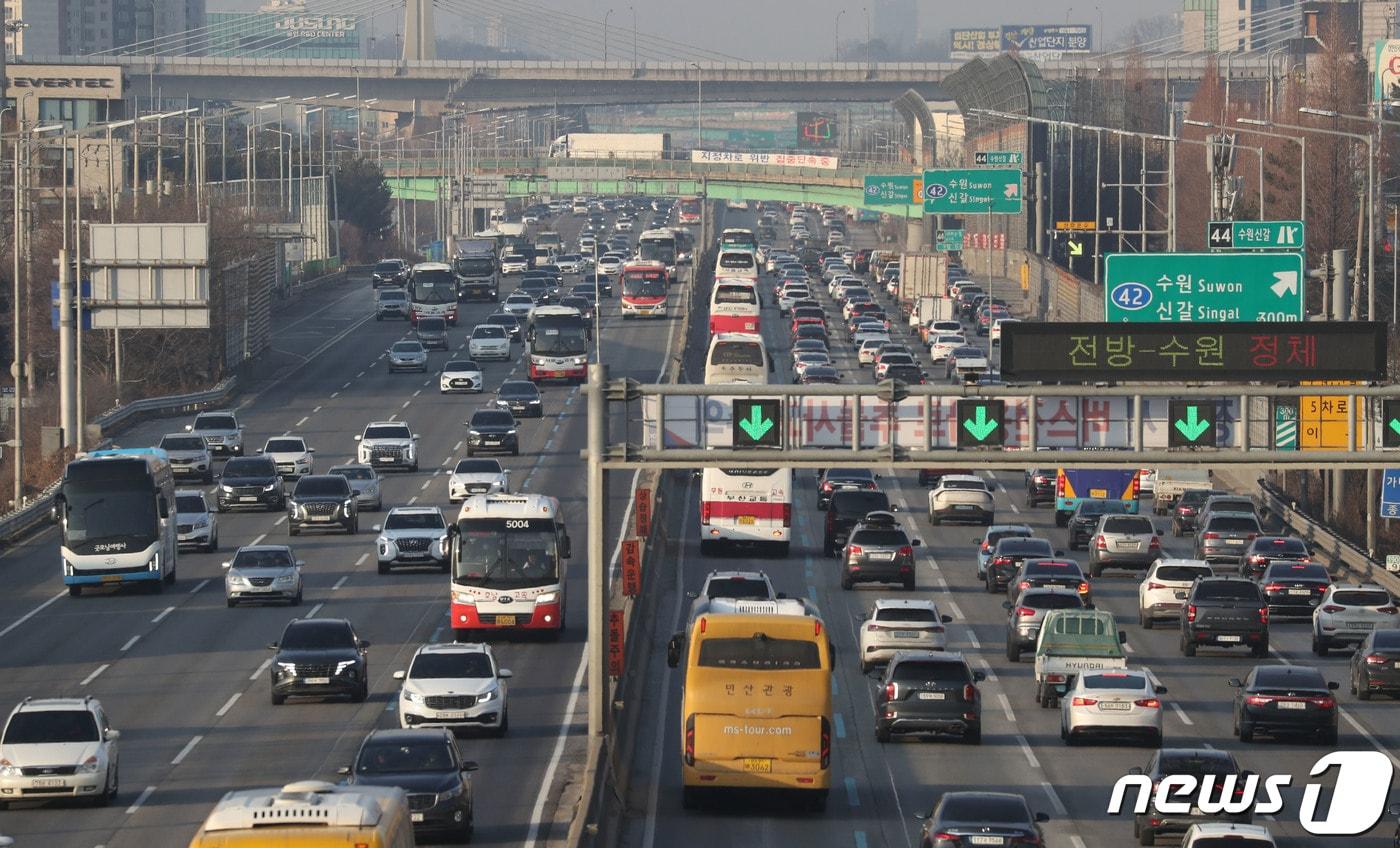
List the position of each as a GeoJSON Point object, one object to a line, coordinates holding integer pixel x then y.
{"type": "Point", "coordinates": [1086, 517]}
{"type": "Point", "coordinates": [1040, 486]}
{"type": "Point", "coordinates": [250, 482]}
{"type": "Point", "coordinates": [426, 764]}
{"type": "Point", "coordinates": [320, 502]}
{"type": "Point", "coordinates": [389, 272]}
{"type": "Point", "coordinates": [839, 479]}
{"type": "Point", "coordinates": [878, 551]}
{"type": "Point", "coordinates": [845, 510]}
{"type": "Point", "coordinates": [492, 430]}
{"type": "Point", "coordinates": [927, 693]}
{"type": "Point", "coordinates": [320, 657]}
{"type": "Point", "coordinates": [1194, 761]}
{"type": "Point", "coordinates": [1225, 612]}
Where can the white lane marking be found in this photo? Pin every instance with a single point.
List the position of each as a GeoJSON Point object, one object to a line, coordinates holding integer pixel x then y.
{"type": "Point", "coordinates": [303, 420]}
{"type": "Point", "coordinates": [314, 610]}
{"type": "Point", "coordinates": [185, 751]}
{"type": "Point", "coordinates": [405, 404]}
{"type": "Point", "coordinates": [340, 582]}
{"type": "Point", "coordinates": [1366, 734]}
{"type": "Point", "coordinates": [316, 410]}
{"type": "Point", "coordinates": [1076, 841]}
{"type": "Point", "coordinates": [1015, 509]}
{"type": "Point", "coordinates": [132, 641]}
{"type": "Point", "coordinates": [1181, 714]}
{"type": "Point", "coordinates": [416, 393]}
{"type": "Point", "coordinates": [279, 522]}
{"type": "Point", "coordinates": [261, 668]}
{"type": "Point", "coordinates": [1055, 802]}
{"type": "Point", "coordinates": [163, 614]}
{"type": "Point", "coordinates": [1127, 648]}
{"type": "Point", "coordinates": [957, 611]}
{"type": "Point", "coordinates": [22, 619]}
{"type": "Point", "coordinates": [1026, 749]}
{"type": "Point", "coordinates": [258, 540]}
{"type": "Point", "coordinates": [426, 484]}
{"type": "Point", "coordinates": [140, 799]}
{"type": "Point", "coordinates": [228, 705]}
{"type": "Point", "coordinates": [1006, 707]}
{"type": "Point", "coordinates": [200, 585]}
{"type": "Point", "coordinates": [361, 560]}
{"type": "Point", "coordinates": [413, 500]}
{"type": "Point", "coordinates": [548, 783]}
{"type": "Point", "coordinates": [335, 394]}
{"type": "Point", "coordinates": [456, 447]}
{"type": "Point", "coordinates": [93, 676]}
{"type": "Point", "coordinates": [972, 637]}
{"type": "Point", "coordinates": [359, 375]}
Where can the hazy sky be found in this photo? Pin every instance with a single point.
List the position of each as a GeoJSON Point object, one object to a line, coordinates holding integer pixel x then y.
{"type": "Point", "coordinates": [793, 30]}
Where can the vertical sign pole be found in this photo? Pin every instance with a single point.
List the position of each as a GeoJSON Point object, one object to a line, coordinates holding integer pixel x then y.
{"type": "Point", "coordinates": [1030, 420]}
{"type": "Point", "coordinates": [1244, 422]}
{"type": "Point", "coordinates": [597, 564]}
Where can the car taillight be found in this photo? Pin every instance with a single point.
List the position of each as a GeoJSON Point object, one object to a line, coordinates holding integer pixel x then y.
{"type": "Point", "coordinates": [1100, 542]}
{"type": "Point", "coordinates": [1190, 612]}
{"type": "Point", "coordinates": [1156, 543]}
{"type": "Point", "coordinates": [1042, 480]}
{"type": "Point", "coordinates": [1149, 703]}
{"type": "Point", "coordinates": [690, 740]}
{"type": "Point", "coordinates": [1151, 585]}
{"type": "Point", "coordinates": [826, 742]}
{"type": "Point", "coordinates": [856, 550]}
{"type": "Point", "coordinates": [891, 691]}
{"type": "Point", "coordinates": [1024, 612]}
{"type": "Point", "coordinates": [1324, 702]}
{"type": "Point", "coordinates": [1387, 610]}
{"type": "Point", "coordinates": [1025, 584]}
{"type": "Point", "coordinates": [787, 515]}
{"type": "Point", "coordinates": [1264, 614]}
{"type": "Point", "coordinates": [1333, 608]}
{"type": "Point", "coordinates": [1258, 559]}
{"type": "Point", "coordinates": [1259, 700]}
{"type": "Point", "coordinates": [870, 484]}
{"type": "Point", "coordinates": [1376, 659]}
{"type": "Point", "coordinates": [969, 692]}
{"type": "Point", "coordinates": [1250, 537]}
{"type": "Point", "coordinates": [986, 547]}
{"type": "Point", "coordinates": [826, 486]}
{"type": "Point", "coordinates": [1210, 535]}
{"type": "Point", "coordinates": [1084, 702]}
{"type": "Point", "coordinates": [906, 551]}
{"type": "Point", "coordinates": [1001, 560]}
{"type": "Point", "coordinates": [952, 839]}
{"type": "Point", "coordinates": [1083, 587]}
{"type": "Point", "coordinates": [704, 512]}
{"type": "Point", "coordinates": [1273, 587]}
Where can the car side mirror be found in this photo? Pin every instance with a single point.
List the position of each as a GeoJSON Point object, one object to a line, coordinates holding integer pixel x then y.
{"type": "Point", "coordinates": [1059, 553]}
{"type": "Point", "coordinates": [782, 596]}
{"type": "Point", "coordinates": [357, 438]}
{"type": "Point", "coordinates": [415, 436]}
{"type": "Point", "coordinates": [399, 675]}
{"type": "Point", "coordinates": [979, 676]}
{"type": "Point", "coordinates": [945, 618]}
{"type": "Point", "coordinates": [673, 651]}
{"type": "Point", "coordinates": [470, 765]}
{"type": "Point", "coordinates": [189, 428]}
{"type": "Point", "coordinates": [272, 646]}
{"type": "Point", "coordinates": [365, 643]}
{"type": "Point", "coordinates": [504, 673]}
{"type": "Point", "coordinates": [692, 595]}
{"type": "Point", "coordinates": [301, 563]}
{"type": "Point", "coordinates": [1042, 818]}
{"type": "Point", "coordinates": [566, 548]}
{"type": "Point", "coordinates": [1159, 690]}
{"type": "Point", "coordinates": [343, 770]}
{"type": "Point", "coordinates": [1006, 605]}
{"type": "Point", "coordinates": [112, 735]}
{"type": "Point", "coordinates": [163, 507]}
{"type": "Point", "coordinates": [1235, 683]}
{"type": "Point", "coordinates": [378, 528]}
{"type": "Point", "coordinates": [1135, 770]}
{"type": "Point", "coordinates": [1332, 685]}
{"type": "Point", "coordinates": [1393, 809]}
{"type": "Point", "coordinates": [1123, 636]}
{"type": "Point", "coordinates": [310, 450]}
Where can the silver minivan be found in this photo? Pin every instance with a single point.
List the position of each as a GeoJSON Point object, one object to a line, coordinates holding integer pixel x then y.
{"type": "Point", "coordinates": [432, 333]}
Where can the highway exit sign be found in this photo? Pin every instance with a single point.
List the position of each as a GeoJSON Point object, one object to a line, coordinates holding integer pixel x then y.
{"type": "Point", "coordinates": [1203, 287]}
{"type": "Point", "coordinates": [893, 189]}
{"type": "Point", "coordinates": [946, 240]}
{"type": "Point", "coordinates": [1255, 235]}
{"type": "Point", "coordinates": [956, 191]}
{"type": "Point", "coordinates": [997, 157]}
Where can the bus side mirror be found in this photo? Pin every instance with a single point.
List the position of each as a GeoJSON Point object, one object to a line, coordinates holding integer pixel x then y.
{"type": "Point", "coordinates": [56, 508]}
{"type": "Point", "coordinates": [771, 367]}
{"type": "Point", "coordinates": [673, 651]}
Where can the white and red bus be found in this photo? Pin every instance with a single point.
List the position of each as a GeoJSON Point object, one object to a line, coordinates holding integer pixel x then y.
{"type": "Point", "coordinates": [690, 211]}
{"type": "Point", "coordinates": [432, 292]}
{"type": "Point", "coordinates": [644, 286]}
{"type": "Point", "coordinates": [557, 344]}
{"type": "Point", "coordinates": [734, 306]}
{"type": "Point", "coordinates": [659, 246]}
{"type": "Point", "coordinates": [748, 507]}
{"type": "Point", "coordinates": [508, 565]}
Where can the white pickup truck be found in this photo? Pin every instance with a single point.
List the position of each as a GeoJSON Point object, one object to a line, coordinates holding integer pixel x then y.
{"type": "Point", "coordinates": [1072, 641]}
{"type": "Point", "coordinates": [1172, 483]}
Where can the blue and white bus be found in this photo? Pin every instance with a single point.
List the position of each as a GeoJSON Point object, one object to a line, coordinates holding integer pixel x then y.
{"type": "Point", "coordinates": [116, 512]}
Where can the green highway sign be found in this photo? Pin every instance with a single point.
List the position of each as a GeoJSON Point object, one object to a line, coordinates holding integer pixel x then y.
{"type": "Point", "coordinates": [893, 190]}
{"type": "Point", "coordinates": [997, 157]}
{"type": "Point", "coordinates": [1203, 287]}
{"type": "Point", "coordinates": [970, 190]}
{"type": "Point", "coordinates": [1255, 235]}
{"type": "Point", "coordinates": [1192, 424]}
{"type": "Point", "coordinates": [1390, 423]}
{"type": "Point", "coordinates": [980, 422]}
{"type": "Point", "coordinates": [758, 422]}
{"type": "Point", "coordinates": [946, 240]}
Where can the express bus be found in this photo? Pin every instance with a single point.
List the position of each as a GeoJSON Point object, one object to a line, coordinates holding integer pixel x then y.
{"type": "Point", "coordinates": [756, 706]}
{"type": "Point", "coordinates": [432, 292]}
{"type": "Point", "coordinates": [749, 507]}
{"type": "Point", "coordinates": [557, 337]}
{"type": "Point", "coordinates": [690, 210]}
{"type": "Point", "coordinates": [508, 564]}
{"type": "Point", "coordinates": [116, 512]}
{"type": "Point", "coordinates": [738, 237]}
{"type": "Point", "coordinates": [644, 286]}
{"type": "Point", "coordinates": [734, 306]}
{"type": "Point", "coordinates": [659, 246]}
{"type": "Point", "coordinates": [737, 358]}
{"type": "Point", "coordinates": [737, 261]}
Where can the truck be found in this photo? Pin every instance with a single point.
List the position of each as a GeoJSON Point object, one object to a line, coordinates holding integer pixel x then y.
{"type": "Point", "coordinates": [1072, 641]}
{"type": "Point", "coordinates": [1075, 484]}
{"type": "Point", "coordinates": [1172, 483]}
{"type": "Point", "coordinates": [930, 307]}
{"type": "Point", "coordinates": [611, 146]}
{"type": "Point", "coordinates": [921, 274]}
{"type": "Point", "coordinates": [477, 271]}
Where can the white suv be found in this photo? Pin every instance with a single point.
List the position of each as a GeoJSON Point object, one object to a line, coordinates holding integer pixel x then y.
{"type": "Point", "coordinates": [1162, 592]}
{"type": "Point", "coordinates": [901, 625]}
{"type": "Point", "coordinates": [58, 748]}
{"type": "Point", "coordinates": [292, 455]}
{"type": "Point", "coordinates": [386, 444]}
{"type": "Point", "coordinates": [1349, 612]}
{"type": "Point", "coordinates": [459, 686]}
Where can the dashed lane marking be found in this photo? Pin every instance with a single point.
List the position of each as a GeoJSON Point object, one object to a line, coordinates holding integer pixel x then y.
{"type": "Point", "coordinates": [140, 799]}
{"type": "Point", "coordinates": [304, 419]}
{"type": "Point", "coordinates": [1006, 707]}
{"type": "Point", "coordinates": [95, 673]}
{"type": "Point", "coordinates": [185, 751]}
{"type": "Point", "coordinates": [200, 585]}
{"type": "Point", "coordinates": [1026, 749]}
{"type": "Point", "coordinates": [260, 669]}
{"type": "Point", "coordinates": [1055, 802]}
{"type": "Point", "coordinates": [314, 610]}
{"type": "Point", "coordinates": [361, 560]}
{"type": "Point", "coordinates": [340, 582]}
{"type": "Point", "coordinates": [851, 795]}
{"type": "Point", "coordinates": [163, 614]}
{"type": "Point", "coordinates": [130, 642]}
{"type": "Point", "coordinates": [228, 705]}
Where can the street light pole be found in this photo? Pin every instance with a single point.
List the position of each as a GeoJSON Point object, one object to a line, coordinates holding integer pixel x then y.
{"type": "Point", "coordinates": [605, 35]}
{"type": "Point", "coordinates": [699, 96]}
{"type": "Point", "coordinates": [836, 36]}
{"type": "Point", "coordinates": [634, 37]}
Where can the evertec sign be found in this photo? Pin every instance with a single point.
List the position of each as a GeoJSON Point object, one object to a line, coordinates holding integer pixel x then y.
{"type": "Point", "coordinates": [1358, 798]}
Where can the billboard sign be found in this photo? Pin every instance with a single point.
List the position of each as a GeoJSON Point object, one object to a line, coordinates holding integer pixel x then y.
{"type": "Point", "coordinates": [284, 35]}
{"type": "Point", "coordinates": [1387, 71]}
{"type": "Point", "coordinates": [816, 131]}
{"type": "Point", "coordinates": [1032, 41]}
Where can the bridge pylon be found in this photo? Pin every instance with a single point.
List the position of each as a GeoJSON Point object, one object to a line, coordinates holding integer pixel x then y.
{"type": "Point", "coordinates": [419, 42]}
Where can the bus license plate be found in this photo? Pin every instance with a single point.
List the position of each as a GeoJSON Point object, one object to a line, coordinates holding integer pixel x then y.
{"type": "Point", "coordinates": [505, 621]}
{"type": "Point", "coordinates": [111, 578]}
{"type": "Point", "coordinates": [746, 519]}
{"type": "Point", "coordinates": [758, 764]}
{"type": "Point", "coordinates": [1098, 493]}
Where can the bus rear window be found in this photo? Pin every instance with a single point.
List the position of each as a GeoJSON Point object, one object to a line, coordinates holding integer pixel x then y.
{"type": "Point", "coordinates": [736, 294]}
{"type": "Point", "coordinates": [760, 653]}
{"type": "Point", "coordinates": [737, 353]}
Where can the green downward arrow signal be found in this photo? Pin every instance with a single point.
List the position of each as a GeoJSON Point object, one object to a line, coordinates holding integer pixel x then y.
{"type": "Point", "coordinates": [979, 426]}
{"type": "Point", "coordinates": [1394, 425]}
{"type": "Point", "coordinates": [1193, 426]}
{"type": "Point", "coordinates": [756, 425]}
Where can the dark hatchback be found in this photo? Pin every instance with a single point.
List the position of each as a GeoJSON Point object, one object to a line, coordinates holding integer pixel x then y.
{"type": "Point", "coordinates": [928, 693]}
{"type": "Point", "coordinates": [1008, 555]}
{"type": "Point", "coordinates": [1281, 700]}
{"type": "Point", "coordinates": [320, 657]}
{"type": "Point", "coordinates": [1375, 667]}
{"type": "Point", "coordinates": [977, 818]}
{"type": "Point", "coordinates": [425, 764]}
{"type": "Point", "coordinates": [321, 502]}
{"type": "Point", "coordinates": [1197, 762]}
{"type": "Point", "coordinates": [1187, 510]}
{"type": "Point", "coordinates": [1040, 486]}
{"type": "Point", "coordinates": [1086, 517]}
{"type": "Point", "coordinates": [521, 398]}
{"type": "Point", "coordinates": [844, 479]}
{"type": "Point", "coordinates": [1294, 588]}
{"type": "Point", "coordinates": [492, 430]}
{"type": "Point", "coordinates": [906, 373]}
{"type": "Point", "coordinates": [846, 509]}
{"type": "Point", "coordinates": [250, 482]}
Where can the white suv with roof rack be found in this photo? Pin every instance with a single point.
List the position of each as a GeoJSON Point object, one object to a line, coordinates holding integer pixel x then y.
{"type": "Point", "coordinates": [58, 748]}
{"type": "Point", "coordinates": [457, 685]}
{"type": "Point", "coordinates": [388, 444]}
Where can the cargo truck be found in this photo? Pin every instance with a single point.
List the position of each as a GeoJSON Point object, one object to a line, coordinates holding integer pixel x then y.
{"type": "Point", "coordinates": [477, 271]}
{"type": "Point", "coordinates": [611, 146]}
{"type": "Point", "coordinates": [932, 308]}
{"type": "Point", "coordinates": [921, 274]}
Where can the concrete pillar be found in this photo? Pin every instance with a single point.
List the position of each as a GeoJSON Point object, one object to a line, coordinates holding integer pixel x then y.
{"type": "Point", "coordinates": [916, 235]}
{"type": "Point", "coordinates": [419, 41]}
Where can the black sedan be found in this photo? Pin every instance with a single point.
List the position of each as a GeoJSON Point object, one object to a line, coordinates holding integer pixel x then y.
{"type": "Point", "coordinates": [1375, 667]}
{"type": "Point", "coordinates": [1294, 588]}
{"type": "Point", "coordinates": [1267, 550]}
{"type": "Point", "coordinates": [1279, 700]}
{"type": "Point", "coordinates": [816, 375]}
{"type": "Point", "coordinates": [492, 430]}
{"type": "Point", "coordinates": [426, 764]}
{"type": "Point", "coordinates": [521, 398]}
{"type": "Point", "coordinates": [961, 817]}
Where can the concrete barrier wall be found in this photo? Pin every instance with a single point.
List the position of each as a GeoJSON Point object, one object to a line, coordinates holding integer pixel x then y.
{"type": "Point", "coordinates": [1055, 294]}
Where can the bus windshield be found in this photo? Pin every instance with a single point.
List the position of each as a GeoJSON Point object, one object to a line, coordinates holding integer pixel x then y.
{"type": "Point", "coordinates": [659, 250]}
{"type": "Point", "coordinates": [109, 516]}
{"type": "Point", "coordinates": [432, 287]}
{"type": "Point", "coordinates": [737, 353]}
{"type": "Point", "coordinates": [735, 294]}
{"type": "Point", "coordinates": [560, 341]}
{"type": "Point", "coordinates": [644, 284]}
{"type": "Point", "coordinates": [499, 554]}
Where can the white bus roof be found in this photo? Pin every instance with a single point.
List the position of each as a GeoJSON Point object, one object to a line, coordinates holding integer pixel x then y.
{"type": "Point", "coordinates": [556, 311]}
{"type": "Point", "coordinates": [308, 802]}
{"type": "Point", "coordinates": [509, 506]}
{"type": "Point", "coordinates": [657, 233]}
{"type": "Point", "coordinates": [644, 265]}
{"type": "Point", "coordinates": [752, 338]}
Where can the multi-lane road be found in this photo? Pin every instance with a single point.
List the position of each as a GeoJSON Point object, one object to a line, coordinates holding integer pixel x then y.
{"type": "Point", "coordinates": [877, 789]}
{"type": "Point", "coordinates": [185, 679]}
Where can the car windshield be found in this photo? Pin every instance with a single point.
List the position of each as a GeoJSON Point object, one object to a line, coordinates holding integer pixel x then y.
{"type": "Point", "coordinates": [1113, 681]}
{"type": "Point", "coordinates": [920, 614]}
{"type": "Point", "coordinates": [1050, 600]}
{"type": "Point", "coordinates": [1093, 509]}
{"type": "Point", "coordinates": [1291, 571]}
{"type": "Point", "coordinates": [1196, 763]}
{"type": "Point", "coordinates": [488, 331]}
{"type": "Point", "coordinates": [393, 294]}
{"type": "Point", "coordinates": [387, 267]}
{"type": "Point", "coordinates": [451, 665]}
{"type": "Point", "coordinates": [387, 432]}
{"type": "Point", "coordinates": [1288, 679]}
{"type": "Point", "coordinates": [1053, 569]}
{"type": "Point", "coordinates": [972, 485]}
{"type": "Point", "coordinates": [880, 538]}
{"type": "Point", "coordinates": [461, 365]}
{"type": "Point", "coordinates": [1281, 547]}
{"type": "Point", "coordinates": [249, 467]}
{"type": "Point", "coordinates": [518, 389]}
{"type": "Point", "coordinates": [915, 671]}
{"type": "Point", "coordinates": [405, 757]}
{"type": "Point", "coordinates": [432, 325]}
{"type": "Point", "coordinates": [1234, 840]}
{"type": "Point", "coordinates": [306, 635]}
{"type": "Point", "coordinates": [1233, 524]}
{"type": "Point", "coordinates": [760, 653]}
{"type": "Point", "coordinates": [477, 466]}
{"type": "Point", "coordinates": [182, 443]}
{"type": "Point", "coordinates": [414, 521]}
{"type": "Point", "coordinates": [994, 536]}
{"type": "Point", "coordinates": [284, 446]}
{"type": "Point", "coordinates": [407, 347]}
{"type": "Point", "coordinates": [215, 422]}
{"type": "Point", "coordinates": [1023, 547]}
{"type": "Point", "coordinates": [36, 727]}
{"type": "Point", "coordinates": [262, 558]}
{"type": "Point", "coordinates": [859, 503]}
{"type": "Point", "coordinates": [738, 588]}
{"type": "Point", "coordinates": [190, 503]}
{"type": "Point", "coordinates": [736, 353]}
{"type": "Point", "coordinates": [487, 418]}
{"type": "Point", "coordinates": [330, 484]}
{"type": "Point", "coordinates": [1127, 524]}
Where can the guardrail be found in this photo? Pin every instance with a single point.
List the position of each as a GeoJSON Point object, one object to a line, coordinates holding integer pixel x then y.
{"type": "Point", "coordinates": [1344, 555]}
{"type": "Point", "coordinates": [19, 522]}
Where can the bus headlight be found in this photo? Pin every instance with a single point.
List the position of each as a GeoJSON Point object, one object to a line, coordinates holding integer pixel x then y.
{"type": "Point", "coordinates": [547, 598]}
{"type": "Point", "coordinates": [154, 564]}
{"type": "Point", "coordinates": [580, 360]}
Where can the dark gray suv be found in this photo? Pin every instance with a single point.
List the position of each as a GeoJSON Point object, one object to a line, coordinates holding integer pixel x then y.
{"type": "Point", "coordinates": [878, 551]}
{"type": "Point", "coordinates": [928, 693]}
{"type": "Point", "coordinates": [323, 502]}
{"type": "Point", "coordinates": [426, 764]}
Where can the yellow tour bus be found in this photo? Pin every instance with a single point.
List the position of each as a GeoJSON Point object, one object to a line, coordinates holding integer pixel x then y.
{"type": "Point", "coordinates": [309, 814]}
{"type": "Point", "coordinates": [756, 706]}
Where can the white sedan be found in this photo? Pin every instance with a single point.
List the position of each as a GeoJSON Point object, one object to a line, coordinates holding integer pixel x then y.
{"type": "Point", "coordinates": [942, 346]}
{"type": "Point", "coordinates": [898, 624]}
{"type": "Point", "coordinates": [869, 344]}
{"type": "Point", "coordinates": [489, 341]}
{"type": "Point", "coordinates": [477, 477]}
{"type": "Point", "coordinates": [518, 304]}
{"type": "Point", "coordinates": [1121, 703]}
{"type": "Point", "coordinates": [997, 325]}
{"type": "Point", "coordinates": [461, 375]}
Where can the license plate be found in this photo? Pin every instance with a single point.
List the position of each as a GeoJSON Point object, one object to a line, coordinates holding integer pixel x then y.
{"type": "Point", "coordinates": [1292, 705]}
{"type": "Point", "coordinates": [491, 441]}
{"type": "Point", "coordinates": [1300, 591]}
{"type": "Point", "coordinates": [111, 578]}
{"type": "Point", "coordinates": [882, 556]}
{"type": "Point", "coordinates": [1130, 546]}
{"type": "Point", "coordinates": [320, 518]}
{"type": "Point", "coordinates": [46, 781]}
{"type": "Point", "coordinates": [505, 621]}
{"type": "Point", "coordinates": [1358, 625]}
{"type": "Point", "coordinates": [317, 681]}
{"type": "Point", "coordinates": [963, 506]}
{"type": "Point", "coordinates": [417, 817]}
{"type": "Point", "coordinates": [746, 519]}
{"type": "Point", "coordinates": [1120, 706]}
{"type": "Point", "coordinates": [932, 696]}
{"type": "Point", "coordinates": [246, 499]}
{"type": "Point", "coordinates": [1397, 665]}
{"type": "Point", "coordinates": [758, 764]}
{"type": "Point", "coordinates": [1230, 638]}
{"type": "Point", "coordinates": [1234, 541]}
{"type": "Point", "coordinates": [985, 840]}
{"type": "Point", "coordinates": [906, 634]}
{"type": "Point", "coordinates": [1098, 493]}
{"type": "Point", "coordinates": [448, 715]}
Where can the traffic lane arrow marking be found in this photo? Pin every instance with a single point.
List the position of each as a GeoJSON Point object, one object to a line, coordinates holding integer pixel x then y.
{"type": "Point", "coordinates": [1193, 426]}
{"type": "Point", "coordinates": [756, 425]}
{"type": "Point", "coordinates": [980, 428]}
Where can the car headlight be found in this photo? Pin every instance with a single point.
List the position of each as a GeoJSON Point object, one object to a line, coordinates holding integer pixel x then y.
{"type": "Point", "coordinates": [449, 793]}
{"type": "Point", "coordinates": [287, 667]}
{"type": "Point", "coordinates": [344, 665]}
{"type": "Point", "coordinates": [547, 598]}
{"type": "Point", "coordinates": [473, 432]}
{"type": "Point", "coordinates": [348, 503]}
{"type": "Point", "coordinates": [488, 695]}
{"type": "Point", "coordinates": [269, 487]}
{"type": "Point", "coordinates": [284, 579]}
{"type": "Point", "coordinates": [411, 697]}
{"type": "Point", "coordinates": [510, 432]}
{"type": "Point", "coordinates": [201, 522]}
{"type": "Point", "coordinates": [580, 360]}
{"type": "Point", "coordinates": [9, 770]}
{"type": "Point", "coordinates": [237, 580]}
{"type": "Point", "coordinates": [88, 766]}
{"type": "Point", "coordinates": [224, 487]}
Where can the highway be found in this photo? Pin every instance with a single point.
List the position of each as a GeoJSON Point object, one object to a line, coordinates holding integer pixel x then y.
{"type": "Point", "coordinates": [877, 789]}
{"type": "Point", "coordinates": [185, 679]}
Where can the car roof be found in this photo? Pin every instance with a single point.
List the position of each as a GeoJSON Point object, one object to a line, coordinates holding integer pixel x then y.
{"type": "Point", "coordinates": [45, 704]}
{"type": "Point", "coordinates": [734, 575]}
{"type": "Point", "coordinates": [963, 477]}
{"type": "Point", "coordinates": [191, 493]}
{"type": "Point", "coordinates": [394, 735]}
{"type": "Point", "coordinates": [928, 656]}
{"type": "Point", "coordinates": [905, 603]}
{"type": "Point", "coordinates": [454, 648]}
{"type": "Point", "coordinates": [1275, 675]}
{"type": "Point", "coordinates": [262, 548]}
{"type": "Point", "coordinates": [1231, 829]}
{"type": "Point", "coordinates": [415, 510]}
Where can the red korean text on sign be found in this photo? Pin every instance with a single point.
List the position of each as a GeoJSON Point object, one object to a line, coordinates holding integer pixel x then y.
{"type": "Point", "coordinates": [631, 567]}
{"type": "Point", "coordinates": [616, 628]}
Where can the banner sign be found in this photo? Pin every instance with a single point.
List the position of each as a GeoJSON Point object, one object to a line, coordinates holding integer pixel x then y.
{"type": "Point", "coordinates": [1030, 41]}
{"type": "Point", "coordinates": [787, 160]}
